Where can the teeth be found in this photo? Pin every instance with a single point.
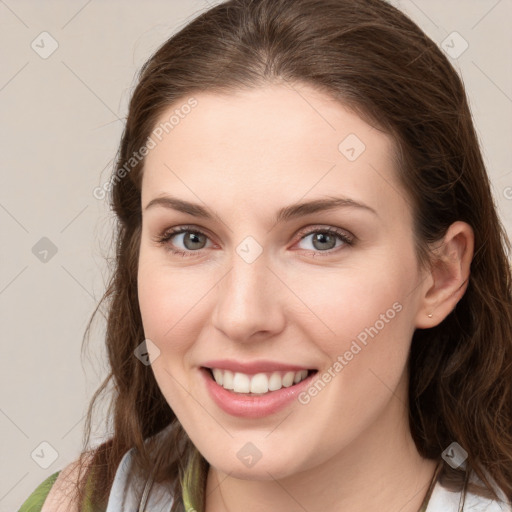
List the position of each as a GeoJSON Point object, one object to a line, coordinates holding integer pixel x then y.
{"type": "Point", "coordinates": [288, 379]}
{"type": "Point", "coordinates": [217, 374]}
{"type": "Point", "coordinates": [275, 382]}
{"type": "Point", "coordinates": [259, 383]}
{"type": "Point", "coordinates": [241, 383]}
{"type": "Point", "coordinates": [226, 380]}
{"type": "Point", "coordinates": [297, 378]}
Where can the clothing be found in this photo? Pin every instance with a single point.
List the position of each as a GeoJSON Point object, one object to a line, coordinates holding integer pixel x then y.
{"type": "Point", "coordinates": [122, 496]}
{"type": "Point", "coordinates": [34, 503]}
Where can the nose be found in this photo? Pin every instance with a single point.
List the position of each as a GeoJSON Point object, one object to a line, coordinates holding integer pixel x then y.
{"type": "Point", "coordinates": [249, 303]}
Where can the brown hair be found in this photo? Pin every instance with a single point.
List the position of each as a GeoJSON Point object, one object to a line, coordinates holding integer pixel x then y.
{"type": "Point", "coordinates": [376, 61]}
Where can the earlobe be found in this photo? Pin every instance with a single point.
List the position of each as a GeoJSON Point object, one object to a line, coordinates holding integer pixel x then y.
{"type": "Point", "coordinates": [449, 275]}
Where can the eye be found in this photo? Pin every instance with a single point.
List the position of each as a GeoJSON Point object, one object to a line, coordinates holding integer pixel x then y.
{"type": "Point", "coordinates": [193, 240]}
{"type": "Point", "coordinates": [324, 240]}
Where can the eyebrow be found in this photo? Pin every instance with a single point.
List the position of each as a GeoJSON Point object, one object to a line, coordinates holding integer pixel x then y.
{"type": "Point", "coordinates": [284, 214]}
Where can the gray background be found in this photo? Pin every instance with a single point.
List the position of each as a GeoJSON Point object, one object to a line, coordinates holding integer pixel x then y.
{"type": "Point", "coordinates": [62, 117]}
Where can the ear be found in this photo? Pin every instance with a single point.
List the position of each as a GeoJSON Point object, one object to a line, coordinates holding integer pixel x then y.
{"type": "Point", "coordinates": [447, 279]}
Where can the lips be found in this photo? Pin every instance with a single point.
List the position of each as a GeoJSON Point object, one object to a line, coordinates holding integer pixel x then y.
{"type": "Point", "coordinates": [255, 389]}
{"type": "Point", "coordinates": [251, 405]}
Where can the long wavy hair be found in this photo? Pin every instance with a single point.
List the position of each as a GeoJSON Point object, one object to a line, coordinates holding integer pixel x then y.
{"type": "Point", "coordinates": [373, 59]}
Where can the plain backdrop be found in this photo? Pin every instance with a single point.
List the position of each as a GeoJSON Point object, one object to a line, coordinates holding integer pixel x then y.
{"type": "Point", "coordinates": [68, 69]}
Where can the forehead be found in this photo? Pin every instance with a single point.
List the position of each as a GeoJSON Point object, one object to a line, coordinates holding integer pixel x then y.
{"type": "Point", "coordinates": [276, 142]}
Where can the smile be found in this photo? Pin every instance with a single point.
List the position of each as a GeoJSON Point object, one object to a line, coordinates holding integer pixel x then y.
{"type": "Point", "coordinates": [254, 395]}
{"type": "Point", "coordinates": [259, 383]}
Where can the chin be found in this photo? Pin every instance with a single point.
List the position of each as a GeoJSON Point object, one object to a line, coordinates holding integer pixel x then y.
{"type": "Point", "coordinates": [266, 468]}
{"type": "Point", "coordinates": [257, 472]}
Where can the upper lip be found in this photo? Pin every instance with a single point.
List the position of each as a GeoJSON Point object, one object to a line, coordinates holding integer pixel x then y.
{"type": "Point", "coordinates": [252, 367]}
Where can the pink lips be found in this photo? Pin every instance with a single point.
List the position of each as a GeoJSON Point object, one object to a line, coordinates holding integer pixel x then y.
{"type": "Point", "coordinates": [251, 405]}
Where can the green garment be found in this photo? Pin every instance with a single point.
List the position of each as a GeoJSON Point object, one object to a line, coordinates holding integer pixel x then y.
{"type": "Point", "coordinates": [35, 502]}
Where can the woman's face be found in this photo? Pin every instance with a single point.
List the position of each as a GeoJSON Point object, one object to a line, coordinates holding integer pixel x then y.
{"type": "Point", "coordinates": [263, 294]}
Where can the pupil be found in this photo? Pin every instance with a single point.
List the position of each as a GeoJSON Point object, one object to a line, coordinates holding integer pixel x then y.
{"type": "Point", "coordinates": [321, 237]}
{"type": "Point", "coordinates": [193, 238]}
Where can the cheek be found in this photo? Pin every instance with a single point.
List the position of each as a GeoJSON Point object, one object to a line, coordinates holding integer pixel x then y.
{"type": "Point", "coordinates": [371, 316]}
{"type": "Point", "coordinates": [358, 304]}
{"type": "Point", "coordinates": [166, 299]}
{"type": "Point", "coordinates": [175, 304]}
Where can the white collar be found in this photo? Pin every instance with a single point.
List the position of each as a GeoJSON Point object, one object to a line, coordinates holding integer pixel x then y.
{"type": "Point", "coordinates": [443, 500]}
{"type": "Point", "coordinates": [123, 495]}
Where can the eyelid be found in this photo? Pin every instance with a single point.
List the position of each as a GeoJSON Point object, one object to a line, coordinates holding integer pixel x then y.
{"type": "Point", "coordinates": [325, 229]}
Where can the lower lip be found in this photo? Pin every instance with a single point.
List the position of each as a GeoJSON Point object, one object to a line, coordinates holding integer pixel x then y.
{"type": "Point", "coordinates": [247, 405]}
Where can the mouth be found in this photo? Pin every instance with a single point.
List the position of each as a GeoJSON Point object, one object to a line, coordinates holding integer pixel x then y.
{"type": "Point", "coordinates": [258, 384]}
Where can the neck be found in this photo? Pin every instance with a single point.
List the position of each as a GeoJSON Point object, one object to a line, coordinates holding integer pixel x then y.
{"type": "Point", "coordinates": [380, 470]}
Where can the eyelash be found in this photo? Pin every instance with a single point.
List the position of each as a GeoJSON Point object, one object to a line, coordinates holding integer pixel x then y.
{"type": "Point", "coordinates": [164, 238]}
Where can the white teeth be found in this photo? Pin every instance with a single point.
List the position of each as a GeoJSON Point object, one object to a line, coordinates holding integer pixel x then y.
{"type": "Point", "coordinates": [227, 379]}
{"type": "Point", "coordinates": [275, 382]}
{"type": "Point", "coordinates": [288, 379]}
{"type": "Point", "coordinates": [259, 383]}
{"type": "Point", "coordinates": [217, 375]}
{"type": "Point", "coordinates": [241, 383]}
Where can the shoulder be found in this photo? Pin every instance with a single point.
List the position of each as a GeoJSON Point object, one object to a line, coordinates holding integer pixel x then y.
{"type": "Point", "coordinates": [60, 497]}
{"type": "Point", "coordinates": [56, 493]}
{"type": "Point", "coordinates": [35, 501]}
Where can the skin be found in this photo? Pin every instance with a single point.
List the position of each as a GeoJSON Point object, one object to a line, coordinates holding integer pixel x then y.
{"type": "Point", "coordinates": [245, 155]}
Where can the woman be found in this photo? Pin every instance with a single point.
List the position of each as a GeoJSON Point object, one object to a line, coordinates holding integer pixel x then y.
{"type": "Point", "coordinates": [311, 305]}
